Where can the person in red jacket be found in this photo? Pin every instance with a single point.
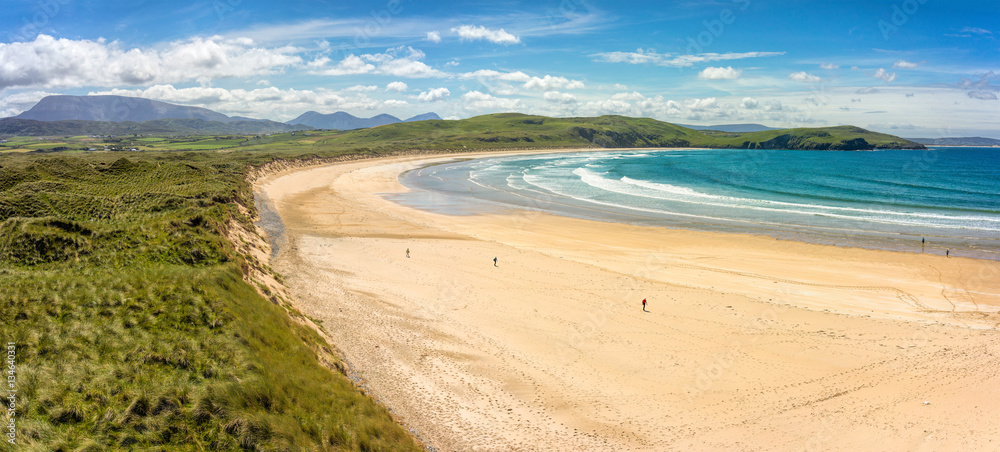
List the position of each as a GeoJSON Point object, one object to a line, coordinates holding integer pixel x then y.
{"type": "Point", "coordinates": [644, 305]}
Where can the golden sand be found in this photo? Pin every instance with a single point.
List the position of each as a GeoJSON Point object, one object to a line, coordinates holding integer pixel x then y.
{"type": "Point", "coordinates": [749, 343]}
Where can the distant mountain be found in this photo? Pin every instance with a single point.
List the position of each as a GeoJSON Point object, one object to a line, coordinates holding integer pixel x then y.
{"type": "Point", "coordinates": [115, 109]}
{"type": "Point", "coordinates": [424, 117]}
{"type": "Point", "coordinates": [31, 127]}
{"type": "Point", "coordinates": [958, 141]}
{"type": "Point", "coordinates": [346, 121]}
{"type": "Point", "coordinates": [736, 128]}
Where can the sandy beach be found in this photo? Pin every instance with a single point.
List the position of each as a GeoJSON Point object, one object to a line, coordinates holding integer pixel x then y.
{"type": "Point", "coordinates": [748, 342]}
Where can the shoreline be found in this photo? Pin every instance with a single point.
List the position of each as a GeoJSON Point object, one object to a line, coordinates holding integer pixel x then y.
{"type": "Point", "coordinates": [434, 192]}
{"type": "Point", "coordinates": [472, 355]}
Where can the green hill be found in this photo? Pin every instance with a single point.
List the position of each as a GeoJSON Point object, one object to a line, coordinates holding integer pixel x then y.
{"type": "Point", "coordinates": [500, 131]}
{"type": "Point", "coordinates": [513, 130]}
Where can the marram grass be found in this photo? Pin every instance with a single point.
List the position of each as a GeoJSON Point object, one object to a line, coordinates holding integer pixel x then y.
{"type": "Point", "coordinates": [134, 328]}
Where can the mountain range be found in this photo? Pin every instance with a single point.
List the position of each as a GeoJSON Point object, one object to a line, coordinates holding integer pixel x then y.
{"type": "Point", "coordinates": [346, 121]}
{"type": "Point", "coordinates": [118, 115]}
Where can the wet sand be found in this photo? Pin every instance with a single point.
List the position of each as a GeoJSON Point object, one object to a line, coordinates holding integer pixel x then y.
{"type": "Point", "coordinates": [749, 343]}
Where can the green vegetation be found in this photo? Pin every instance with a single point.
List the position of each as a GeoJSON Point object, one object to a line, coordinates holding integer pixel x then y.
{"type": "Point", "coordinates": [134, 326]}
{"type": "Point", "coordinates": [23, 127]}
{"type": "Point", "coordinates": [133, 322]}
{"type": "Point", "coordinates": [514, 130]}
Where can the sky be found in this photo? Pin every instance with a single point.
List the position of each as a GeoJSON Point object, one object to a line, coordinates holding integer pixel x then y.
{"type": "Point", "coordinates": [914, 68]}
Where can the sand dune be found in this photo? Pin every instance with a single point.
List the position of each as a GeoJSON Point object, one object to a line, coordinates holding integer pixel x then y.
{"type": "Point", "coordinates": [750, 343]}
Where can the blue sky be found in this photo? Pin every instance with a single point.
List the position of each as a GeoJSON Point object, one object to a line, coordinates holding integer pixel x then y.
{"type": "Point", "coordinates": [910, 67]}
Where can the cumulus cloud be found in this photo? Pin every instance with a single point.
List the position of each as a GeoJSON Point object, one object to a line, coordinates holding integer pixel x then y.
{"type": "Point", "coordinates": [433, 36]}
{"type": "Point", "coordinates": [903, 64]}
{"type": "Point", "coordinates": [517, 76]}
{"type": "Point", "coordinates": [434, 95]}
{"type": "Point", "coordinates": [701, 104]}
{"type": "Point", "coordinates": [398, 62]}
{"type": "Point", "coordinates": [829, 66]}
{"type": "Point", "coordinates": [750, 103]}
{"type": "Point", "coordinates": [719, 73]}
{"type": "Point", "coordinates": [350, 65]}
{"type": "Point", "coordinates": [549, 82]}
{"type": "Point", "coordinates": [884, 75]}
{"type": "Point", "coordinates": [15, 104]}
{"type": "Point", "coordinates": [48, 62]}
{"type": "Point", "coordinates": [475, 100]}
{"type": "Point", "coordinates": [545, 83]}
{"type": "Point", "coordinates": [559, 98]}
{"type": "Point", "coordinates": [649, 56]}
{"type": "Point", "coordinates": [396, 87]}
{"type": "Point", "coordinates": [803, 77]}
{"type": "Point", "coordinates": [476, 33]}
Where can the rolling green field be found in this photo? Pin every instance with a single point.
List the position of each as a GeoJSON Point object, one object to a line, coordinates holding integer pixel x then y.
{"type": "Point", "coordinates": [133, 323]}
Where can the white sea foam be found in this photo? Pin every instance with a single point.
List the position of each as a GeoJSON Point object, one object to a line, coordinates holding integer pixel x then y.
{"type": "Point", "coordinates": [667, 192]}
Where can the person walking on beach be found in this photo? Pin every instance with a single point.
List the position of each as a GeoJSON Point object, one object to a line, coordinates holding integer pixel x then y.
{"type": "Point", "coordinates": [644, 305]}
{"type": "Point", "coordinates": [947, 253]}
{"type": "Point", "coordinates": [407, 252]}
{"type": "Point", "coordinates": [495, 262]}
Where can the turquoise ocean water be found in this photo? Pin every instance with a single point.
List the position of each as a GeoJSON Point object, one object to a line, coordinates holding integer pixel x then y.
{"type": "Point", "coordinates": [882, 199]}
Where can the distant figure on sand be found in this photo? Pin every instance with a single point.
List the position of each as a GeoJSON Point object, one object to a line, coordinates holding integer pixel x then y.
{"type": "Point", "coordinates": [644, 305]}
{"type": "Point", "coordinates": [947, 253]}
{"type": "Point", "coordinates": [495, 262]}
{"type": "Point", "coordinates": [407, 252]}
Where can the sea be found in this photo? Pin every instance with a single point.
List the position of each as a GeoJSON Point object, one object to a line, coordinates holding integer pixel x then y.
{"type": "Point", "coordinates": [938, 200]}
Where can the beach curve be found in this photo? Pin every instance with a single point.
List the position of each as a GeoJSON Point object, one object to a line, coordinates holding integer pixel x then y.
{"type": "Point", "coordinates": [748, 342]}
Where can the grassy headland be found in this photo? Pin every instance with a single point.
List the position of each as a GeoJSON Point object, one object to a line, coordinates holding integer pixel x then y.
{"type": "Point", "coordinates": [126, 294]}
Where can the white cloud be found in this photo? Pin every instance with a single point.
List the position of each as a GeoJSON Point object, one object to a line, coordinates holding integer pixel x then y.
{"type": "Point", "coordinates": [620, 87]}
{"type": "Point", "coordinates": [976, 30]}
{"type": "Point", "coordinates": [559, 98]}
{"type": "Point", "coordinates": [398, 62]}
{"type": "Point", "coordinates": [397, 87]}
{"type": "Point", "coordinates": [475, 100]}
{"type": "Point", "coordinates": [803, 77]}
{"type": "Point", "coordinates": [869, 90]}
{"type": "Point", "coordinates": [829, 66]}
{"type": "Point", "coordinates": [701, 104]}
{"type": "Point", "coordinates": [902, 64]}
{"type": "Point", "coordinates": [549, 83]}
{"type": "Point", "coordinates": [497, 75]}
{"type": "Point", "coordinates": [15, 104]}
{"type": "Point", "coordinates": [362, 88]}
{"type": "Point", "coordinates": [648, 56]}
{"type": "Point", "coordinates": [433, 36]}
{"type": "Point", "coordinates": [982, 95]}
{"type": "Point", "coordinates": [719, 73]}
{"type": "Point", "coordinates": [750, 103]}
{"type": "Point", "coordinates": [475, 33]}
{"type": "Point", "coordinates": [350, 65]}
{"type": "Point", "coordinates": [50, 62]}
{"type": "Point", "coordinates": [884, 75]}
{"type": "Point", "coordinates": [434, 95]}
